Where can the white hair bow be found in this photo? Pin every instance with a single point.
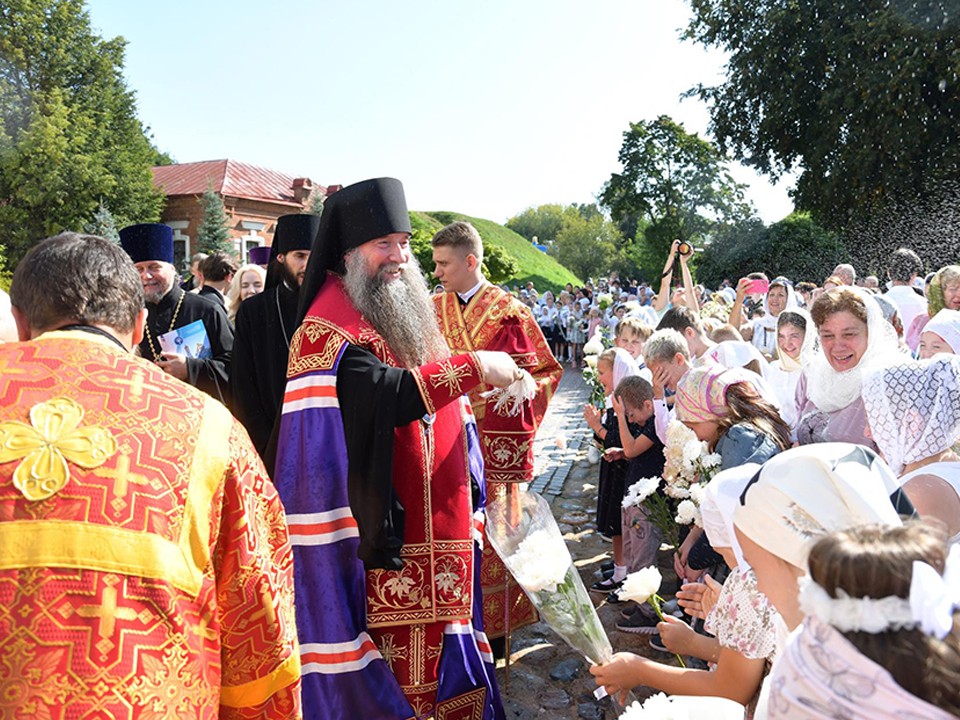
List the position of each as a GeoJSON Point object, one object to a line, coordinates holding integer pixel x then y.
{"type": "Point", "coordinates": [933, 597]}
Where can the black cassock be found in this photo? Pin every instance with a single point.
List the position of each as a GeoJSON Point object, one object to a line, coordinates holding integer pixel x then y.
{"type": "Point", "coordinates": [213, 375]}
{"type": "Point", "coordinates": [265, 323]}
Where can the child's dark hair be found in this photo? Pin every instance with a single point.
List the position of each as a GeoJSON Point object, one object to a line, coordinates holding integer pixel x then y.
{"type": "Point", "coordinates": [744, 405]}
{"type": "Point", "coordinates": [634, 391]}
{"type": "Point", "coordinates": [876, 561]}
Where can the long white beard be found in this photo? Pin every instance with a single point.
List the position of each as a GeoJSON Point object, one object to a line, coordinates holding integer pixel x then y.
{"type": "Point", "coordinates": [400, 310]}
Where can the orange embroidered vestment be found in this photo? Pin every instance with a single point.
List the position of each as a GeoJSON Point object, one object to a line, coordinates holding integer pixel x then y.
{"type": "Point", "coordinates": [495, 320]}
{"type": "Point", "coordinates": [145, 568]}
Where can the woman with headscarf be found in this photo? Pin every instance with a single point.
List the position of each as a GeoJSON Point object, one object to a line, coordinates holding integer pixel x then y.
{"type": "Point", "coordinates": [746, 626]}
{"type": "Point", "coordinates": [853, 337]}
{"type": "Point", "coordinates": [880, 638]}
{"type": "Point", "coordinates": [762, 332]}
{"type": "Point", "coordinates": [725, 408]}
{"type": "Point", "coordinates": [795, 339]}
{"type": "Point", "coordinates": [913, 409]}
{"type": "Point", "coordinates": [943, 292]}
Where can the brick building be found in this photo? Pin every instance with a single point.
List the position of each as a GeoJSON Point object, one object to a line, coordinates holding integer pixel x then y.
{"type": "Point", "coordinates": [254, 198]}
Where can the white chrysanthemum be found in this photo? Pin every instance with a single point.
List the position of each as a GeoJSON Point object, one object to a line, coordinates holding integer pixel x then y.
{"type": "Point", "coordinates": [696, 493]}
{"type": "Point", "coordinates": [692, 450]}
{"type": "Point", "coordinates": [640, 491]}
{"type": "Point", "coordinates": [678, 490]}
{"type": "Point", "coordinates": [711, 460]}
{"type": "Point", "coordinates": [594, 346]}
{"type": "Point", "coordinates": [641, 585]}
{"type": "Point", "coordinates": [686, 512]}
{"type": "Point", "coordinates": [540, 562]}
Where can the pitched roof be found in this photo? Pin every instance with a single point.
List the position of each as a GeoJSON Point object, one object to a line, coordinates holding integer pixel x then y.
{"type": "Point", "coordinates": [229, 178]}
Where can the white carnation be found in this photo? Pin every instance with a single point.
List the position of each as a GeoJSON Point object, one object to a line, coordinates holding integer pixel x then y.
{"type": "Point", "coordinates": [591, 361]}
{"type": "Point", "coordinates": [686, 512]}
{"type": "Point", "coordinates": [540, 562]}
{"type": "Point", "coordinates": [641, 585]}
{"type": "Point", "coordinates": [711, 460]}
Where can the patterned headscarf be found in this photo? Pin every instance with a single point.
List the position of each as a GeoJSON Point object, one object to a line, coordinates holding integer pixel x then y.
{"type": "Point", "coordinates": [913, 408]}
{"type": "Point", "coordinates": [702, 392]}
{"type": "Point", "coordinates": [822, 676]}
{"type": "Point", "coordinates": [808, 491]}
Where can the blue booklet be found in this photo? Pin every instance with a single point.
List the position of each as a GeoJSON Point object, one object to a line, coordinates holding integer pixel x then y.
{"type": "Point", "coordinates": [190, 340]}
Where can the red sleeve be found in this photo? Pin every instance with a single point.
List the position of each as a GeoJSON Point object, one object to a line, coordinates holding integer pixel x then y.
{"type": "Point", "coordinates": [254, 570]}
{"type": "Point", "coordinates": [443, 382]}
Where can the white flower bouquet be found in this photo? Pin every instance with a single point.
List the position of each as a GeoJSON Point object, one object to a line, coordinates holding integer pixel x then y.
{"type": "Point", "coordinates": [688, 468]}
{"type": "Point", "coordinates": [684, 707]}
{"type": "Point", "coordinates": [525, 535]}
{"type": "Point", "coordinates": [643, 494]}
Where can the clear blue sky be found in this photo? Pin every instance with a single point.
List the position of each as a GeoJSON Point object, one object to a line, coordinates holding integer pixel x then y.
{"type": "Point", "coordinates": [481, 108]}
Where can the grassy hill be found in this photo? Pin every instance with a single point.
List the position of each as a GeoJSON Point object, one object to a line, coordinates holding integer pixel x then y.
{"type": "Point", "coordinates": [536, 266]}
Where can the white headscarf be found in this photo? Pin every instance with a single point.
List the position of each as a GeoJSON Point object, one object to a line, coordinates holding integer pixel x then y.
{"type": "Point", "coordinates": [913, 408]}
{"type": "Point", "coordinates": [623, 366]}
{"type": "Point", "coordinates": [784, 361]}
{"type": "Point", "coordinates": [831, 390]}
{"type": "Point", "coordinates": [946, 324]}
{"type": "Point", "coordinates": [767, 324]}
{"type": "Point", "coordinates": [720, 500]}
{"type": "Point", "coordinates": [808, 491]}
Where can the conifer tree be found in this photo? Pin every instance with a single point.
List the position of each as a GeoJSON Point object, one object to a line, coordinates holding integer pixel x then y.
{"type": "Point", "coordinates": [213, 235]}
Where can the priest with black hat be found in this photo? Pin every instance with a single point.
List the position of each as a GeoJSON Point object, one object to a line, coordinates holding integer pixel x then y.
{"type": "Point", "coordinates": [265, 325]}
{"type": "Point", "coordinates": [150, 246]}
{"type": "Point", "coordinates": [374, 466]}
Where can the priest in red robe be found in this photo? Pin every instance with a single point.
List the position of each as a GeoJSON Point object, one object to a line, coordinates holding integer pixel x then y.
{"type": "Point", "coordinates": [145, 567]}
{"type": "Point", "coordinates": [476, 315]}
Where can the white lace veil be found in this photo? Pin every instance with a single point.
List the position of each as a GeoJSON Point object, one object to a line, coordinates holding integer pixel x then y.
{"type": "Point", "coordinates": [831, 390]}
{"type": "Point", "coordinates": [913, 408]}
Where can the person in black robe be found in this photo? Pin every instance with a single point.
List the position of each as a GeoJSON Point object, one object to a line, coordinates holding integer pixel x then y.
{"type": "Point", "coordinates": [150, 246]}
{"type": "Point", "coordinates": [265, 324]}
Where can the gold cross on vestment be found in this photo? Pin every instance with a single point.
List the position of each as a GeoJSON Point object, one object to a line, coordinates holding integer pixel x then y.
{"type": "Point", "coordinates": [107, 612]}
{"type": "Point", "coordinates": [137, 383]}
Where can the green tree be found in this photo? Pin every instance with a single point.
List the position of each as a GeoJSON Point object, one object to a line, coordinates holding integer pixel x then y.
{"type": "Point", "coordinates": [316, 204]}
{"type": "Point", "coordinates": [586, 246]}
{"type": "Point", "coordinates": [499, 266]}
{"type": "Point", "coordinates": [213, 235]}
{"type": "Point", "coordinates": [675, 182]}
{"type": "Point", "coordinates": [795, 247]}
{"type": "Point", "coordinates": [543, 222]}
{"type": "Point", "coordinates": [69, 135]}
{"type": "Point", "coordinates": [863, 98]}
{"type": "Point", "coordinates": [103, 224]}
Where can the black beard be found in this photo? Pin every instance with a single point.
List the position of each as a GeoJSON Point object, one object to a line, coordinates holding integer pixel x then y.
{"type": "Point", "coordinates": [400, 310]}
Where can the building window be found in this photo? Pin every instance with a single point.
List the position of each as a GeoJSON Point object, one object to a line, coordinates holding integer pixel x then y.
{"type": "Point", "coordinates": [181, 245]}
{"type": "Point", "coordinates": [250, 239]}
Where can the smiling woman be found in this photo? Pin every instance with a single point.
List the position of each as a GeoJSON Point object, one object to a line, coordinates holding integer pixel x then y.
{"type": "Point", "coordinates": [853, 336]}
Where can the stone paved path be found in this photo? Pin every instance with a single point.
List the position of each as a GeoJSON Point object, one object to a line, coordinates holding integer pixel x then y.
{"type": "Point", "coordinates": [547, 679]}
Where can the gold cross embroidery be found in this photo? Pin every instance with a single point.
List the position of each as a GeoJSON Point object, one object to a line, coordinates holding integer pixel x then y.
{"type": "Point", "coordinates": [122, 475]}
{"type": "Point", "coordinates": [137, 383]}
{"type": "Point", "coordinates": [44, 447]}
{"type": "Point", "coordinates": [107, 612]}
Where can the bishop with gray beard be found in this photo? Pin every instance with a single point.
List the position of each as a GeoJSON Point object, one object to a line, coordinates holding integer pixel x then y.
{"type": "Point", "coordinates": [400, 309]}
{"type": "Point", "coordinates": [372, 467]}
